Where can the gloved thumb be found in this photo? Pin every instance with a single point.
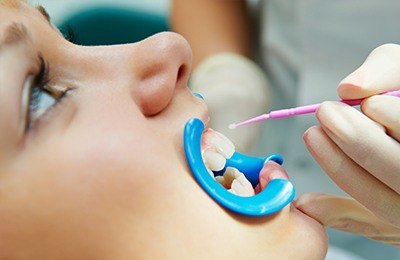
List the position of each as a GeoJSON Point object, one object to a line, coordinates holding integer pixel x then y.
{"type": "Point", "coordinates": [348, 215]}
{"type": "Point", "coordinates": [379, 73]}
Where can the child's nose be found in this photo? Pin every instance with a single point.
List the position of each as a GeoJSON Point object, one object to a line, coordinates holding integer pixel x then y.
{"type": "Point", "coordinates": [160, 64]}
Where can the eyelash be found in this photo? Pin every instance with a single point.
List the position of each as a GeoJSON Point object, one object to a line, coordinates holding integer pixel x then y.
{"type": "Point", "coordinates": [40, 81]}
{"type": "Point", "coordinates": [38, 87]}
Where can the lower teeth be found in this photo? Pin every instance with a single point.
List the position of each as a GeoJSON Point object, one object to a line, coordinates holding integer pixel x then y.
{"type": "Point", "coordinates": [235, 182]}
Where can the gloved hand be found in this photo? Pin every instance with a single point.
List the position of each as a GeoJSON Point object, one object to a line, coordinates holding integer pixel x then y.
{"type": "Point", "coordinates": [346, 214]}
{"type": "Point", "coordinates": [234, 89]}
{"type": "Point", "coordinates": [361, 152]}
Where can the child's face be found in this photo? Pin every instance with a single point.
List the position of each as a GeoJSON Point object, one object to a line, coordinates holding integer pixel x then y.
{"type": "Point", "coordinates": [102, 173]}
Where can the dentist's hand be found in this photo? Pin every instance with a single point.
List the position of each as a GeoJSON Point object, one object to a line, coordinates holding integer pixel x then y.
{"type": "Point", "coordinates": [234, 89]}
{"type": "Point", "coordinates": [361, 152]}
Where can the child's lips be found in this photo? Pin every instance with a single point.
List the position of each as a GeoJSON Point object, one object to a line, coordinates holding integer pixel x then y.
{"type": "Point", "coordinates": [270, 171]}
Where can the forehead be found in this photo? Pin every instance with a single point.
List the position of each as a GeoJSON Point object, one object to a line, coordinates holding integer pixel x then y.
{"type": "Point", "coordinates": [21, 5]}
{"type": "Point", "coordinates": [11, 3]}
{"type": "Point", "coordinates": [12, 11]}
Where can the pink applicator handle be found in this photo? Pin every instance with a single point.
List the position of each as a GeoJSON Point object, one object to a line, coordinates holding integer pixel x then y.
{"type": "Point", "coordinates": [312, 108]}
{"type": "Point", "coordinates": [283, 113]}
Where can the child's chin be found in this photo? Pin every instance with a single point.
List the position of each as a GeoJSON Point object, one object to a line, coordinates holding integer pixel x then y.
{"type": "Point", "coordinates": [314, 233]}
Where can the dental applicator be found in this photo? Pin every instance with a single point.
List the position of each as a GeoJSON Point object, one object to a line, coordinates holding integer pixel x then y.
{"type": "Point", "coordinates": [283, 113]}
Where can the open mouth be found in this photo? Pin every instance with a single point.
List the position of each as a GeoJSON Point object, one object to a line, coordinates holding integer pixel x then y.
{"type": "Point", "coordinates": [216, 149]}
{"type": "Point", "coordinates": [275, 190]}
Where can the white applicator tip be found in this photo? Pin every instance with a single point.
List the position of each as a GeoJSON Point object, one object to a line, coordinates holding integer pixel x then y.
{"type": "Point", "coordinates": [232, 126]}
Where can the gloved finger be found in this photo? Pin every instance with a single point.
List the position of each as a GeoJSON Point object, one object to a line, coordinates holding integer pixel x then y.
{"type": "Point", "coordinates": [379, 73]}
{"type": "Point", "coordinates": [386, 111]}
{"type": "Point", "coordinates": [352, 178]}
{"type": "Point", "coordinates": [363, 141]}
{"type": "Point", "coordinates": [347, 215]}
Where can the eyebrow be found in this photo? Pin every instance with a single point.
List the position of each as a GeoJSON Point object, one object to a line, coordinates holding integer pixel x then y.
{"type": "Point", "coordinates": [18, 33]}
{"type": "Point", "coordinates": [14, 34]}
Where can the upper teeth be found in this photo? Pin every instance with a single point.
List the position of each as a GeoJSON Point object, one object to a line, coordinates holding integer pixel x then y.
{"type": "Point", "coordinates": [216, 149]}
{"type": "Point", "coordinates": [213, 160]}
{"type": "Point", "coordinates": [219, 142]}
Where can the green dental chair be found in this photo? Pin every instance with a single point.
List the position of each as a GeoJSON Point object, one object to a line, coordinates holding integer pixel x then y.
{"type": "Point", "coordinates": [105, 25]}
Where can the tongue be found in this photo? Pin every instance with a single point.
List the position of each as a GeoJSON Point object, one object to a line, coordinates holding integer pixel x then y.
{"type": "Point", "coordinates": [270, 171]}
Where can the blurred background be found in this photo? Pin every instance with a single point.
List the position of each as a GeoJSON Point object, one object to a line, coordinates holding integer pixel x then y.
{"type": "Point", "coordinates": [97, 22]}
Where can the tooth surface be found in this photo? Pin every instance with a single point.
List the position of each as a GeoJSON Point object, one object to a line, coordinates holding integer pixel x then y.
{"type": "Point", "coordinates": [230, 174]}
{"type": "Point", "coordinates": [222, 181]}
{"type": "Point", "coordinates": [236, 182]}
{"type": "Point", "coordinates": [213, 160]}
{"type": "Point", "coordinates": [232, 191]}
{"type": "Point", "coordinates": [242, 186]}
{"type": "Point", "coordinates": [228, 177]}
{"type": "Point", "coordinates": [219, 142]}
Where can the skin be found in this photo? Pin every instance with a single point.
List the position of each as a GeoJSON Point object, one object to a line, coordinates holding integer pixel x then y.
{"type": "Point", "coordinates": [103, 175]}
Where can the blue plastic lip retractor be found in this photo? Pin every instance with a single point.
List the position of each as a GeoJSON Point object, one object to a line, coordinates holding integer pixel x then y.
{"type": "Point", "coordinates": [277, 194]}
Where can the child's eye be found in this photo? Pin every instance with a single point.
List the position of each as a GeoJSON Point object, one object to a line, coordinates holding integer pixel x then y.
{"type": "Point", "coordinates": [39, 102]}
{"type": "Point", "coordinates": [38, 97]}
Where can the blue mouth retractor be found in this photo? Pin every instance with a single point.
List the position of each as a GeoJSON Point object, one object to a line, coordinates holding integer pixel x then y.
{"type": "Point", "coordinates": [277, 194]}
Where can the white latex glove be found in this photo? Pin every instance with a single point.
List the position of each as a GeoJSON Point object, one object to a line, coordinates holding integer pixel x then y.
{"type": "Point", "coordinates": [234, 89]}
{"type": "Point", "coordinates": [361, 152]}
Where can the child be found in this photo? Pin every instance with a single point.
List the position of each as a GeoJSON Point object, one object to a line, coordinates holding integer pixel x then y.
{"type": "Point", "coordinates": [91, 158]}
